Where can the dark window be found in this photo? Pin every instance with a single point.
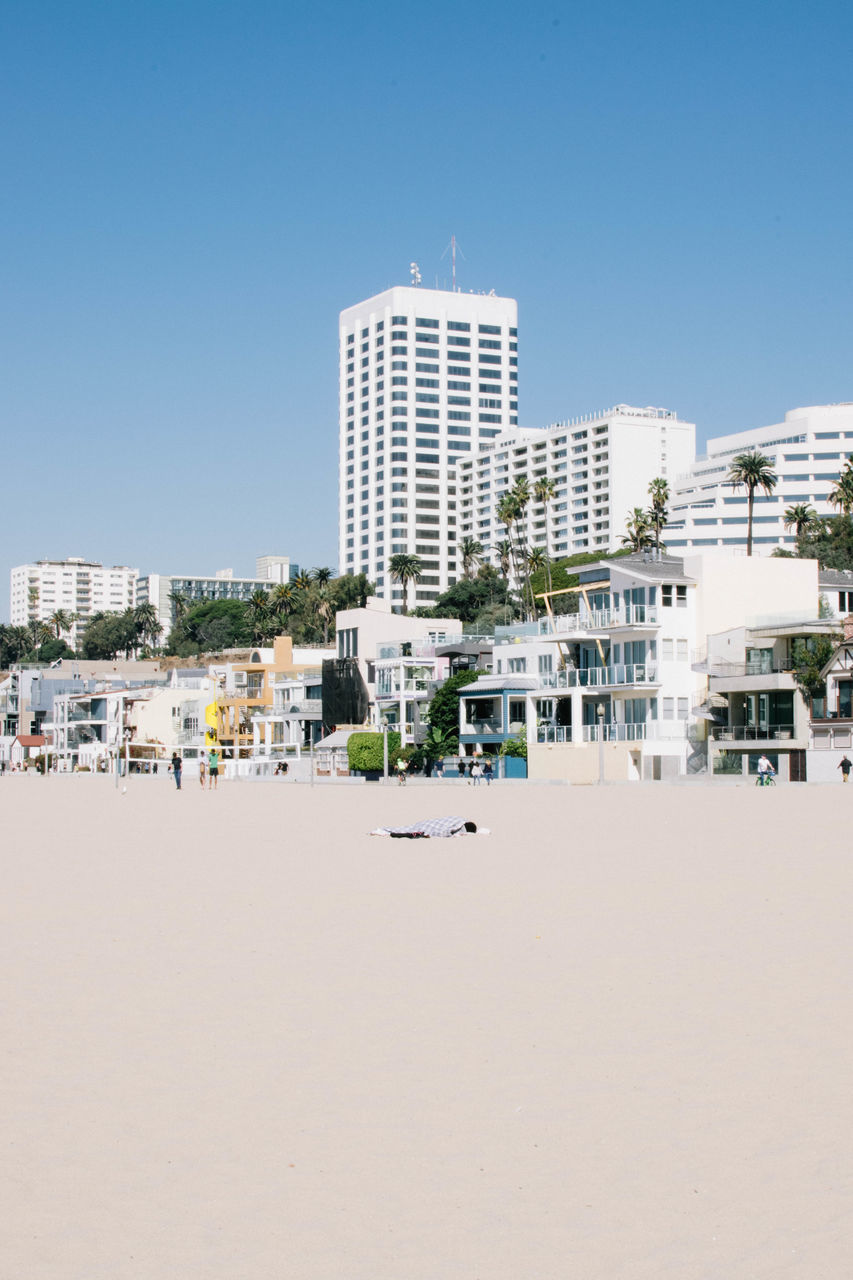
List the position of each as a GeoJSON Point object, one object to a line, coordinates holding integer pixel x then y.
{"type": "Point", "coordinates": [488, 328]}
{"type": "Point", "coordinates": [459, 325]}
{"type": "Point", "coordinates": [426, 324]}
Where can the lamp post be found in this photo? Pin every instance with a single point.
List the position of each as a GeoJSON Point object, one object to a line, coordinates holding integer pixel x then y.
{"type": "Point", "coordinates": [599, 711]}
{"type": "Point", "coordinates": [384, 751]}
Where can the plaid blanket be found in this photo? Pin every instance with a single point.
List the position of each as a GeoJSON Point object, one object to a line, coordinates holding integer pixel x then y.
{"type": "Point", "coordinates": [431, 828]}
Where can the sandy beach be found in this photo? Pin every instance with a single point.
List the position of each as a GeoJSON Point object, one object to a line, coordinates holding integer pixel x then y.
{"type": "Point", "coordinates": [243, 1039]}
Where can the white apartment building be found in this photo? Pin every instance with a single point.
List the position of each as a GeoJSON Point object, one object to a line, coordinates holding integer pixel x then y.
{"type": "Point", "coordinates": [808, 451]}
{"type": "Point", "coordinates": [601, 466]}
{"type": "Point", "coordinates": [427, 378]}
{"type": "Point", "coordinates": [159, 589]}
{"type": "Point", "coordinates": [79, 587]}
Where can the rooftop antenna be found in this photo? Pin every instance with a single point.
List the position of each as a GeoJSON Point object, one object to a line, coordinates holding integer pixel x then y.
{"type": "Point", "coordinates": [415, 273]}
{"type": "Point", "coordinates": [453, 246]}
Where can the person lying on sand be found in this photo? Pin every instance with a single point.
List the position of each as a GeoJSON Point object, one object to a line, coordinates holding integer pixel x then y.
{"type": "Point", "coordinates": [432, 828]}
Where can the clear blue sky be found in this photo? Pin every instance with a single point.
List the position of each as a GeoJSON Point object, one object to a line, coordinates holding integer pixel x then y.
{"type": "Point", "coordinates": [192, 191]}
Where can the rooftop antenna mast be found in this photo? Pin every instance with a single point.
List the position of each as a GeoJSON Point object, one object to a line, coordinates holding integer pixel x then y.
{"type": "Point", "coordinates": [453, 246]}
{"type": "Point", "coordinates": [415, 273]}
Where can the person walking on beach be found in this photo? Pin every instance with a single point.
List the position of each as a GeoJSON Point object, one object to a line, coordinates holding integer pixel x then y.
{"type": "Point", "coordinates": [765, 770]}
{"type": "Point", "coordinates": [402, 766]}
{"type": "Point", "coordinates": [476, 773]}
{"type": "Point", "coordinates": [487, 771]}
{"type": "Point", "coordinates": [176, 767]}
{"type": "Point", "coordinates": [460, 768]}
{"type": "Point", "coordinates": [213, 770]}
{"type": "Point", "coordinates": [201, 771]}
{"type": "Point", "coordinates": [439, 768]}
{"type": "Point", "coordinates": [845, 767]}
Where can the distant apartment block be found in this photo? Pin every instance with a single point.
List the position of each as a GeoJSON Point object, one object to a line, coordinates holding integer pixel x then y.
{"type": "Point", "coordinates": [161, 589]}
{"type": "Point", "coordinates": [427, 378]}
{"type": "Point", "coordinates": [601, 466]}
{"type": "Point", "coordinates": [808, 451]}
{"type": "Point", "coordinates": [76, 586]}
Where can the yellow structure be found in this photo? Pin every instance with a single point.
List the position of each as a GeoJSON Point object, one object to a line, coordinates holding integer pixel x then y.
{"type": "Point", "coordinates": [246, 688]}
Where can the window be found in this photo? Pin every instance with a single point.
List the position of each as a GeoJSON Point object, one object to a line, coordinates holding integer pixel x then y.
{"type": "Point", "coordinates": [426, 324]}
{"type": "Point", "coordinates": [666, 593]}
{"type": "Point", "coordinates": [683, 706]}
{"type": "Point", "coordinates": [426, 382]}
{"type": "Point", "coordinates": [484, 359]}
{"type": "Point", "coordinates": [488, 328]}
{"type": "Point", "coordinates": [666, 650]}
{"type": "Point", "coordinates": [681, 647]}
{"type": "Point", "coordinates": [398, 320]}
{"type": "Point", "coordinates": [546, 664]}
{"type": "Point", "coordinates": [459, 342]}
{"type": "Point", "coordinates": [459, 325]}
{"type": "Point", "coordinates": [489, 343]}
{"type": "Point", "coordinates": [669, 708]}
{"type": "Point", "coordinates": [457, 386]}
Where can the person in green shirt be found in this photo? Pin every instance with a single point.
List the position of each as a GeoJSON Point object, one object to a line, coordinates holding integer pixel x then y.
{"type": "Point", "coordinates": [212, 769]}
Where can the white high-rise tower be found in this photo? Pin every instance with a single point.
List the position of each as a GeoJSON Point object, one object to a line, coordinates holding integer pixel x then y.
{"type": "Point", "coordinates": [427, 377]}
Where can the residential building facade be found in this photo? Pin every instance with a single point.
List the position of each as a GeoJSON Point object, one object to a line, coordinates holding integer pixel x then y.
{"type": "Point", "coordinates": [78, 587]}
{"type": "Point", "coordinates": [807, 452]}
{"type": "Point", "coordinates": [427, 378]}
{"type": "Point", "coordinates": [161, 589]}
{"type": "Point", "coordinates": [600, 465]}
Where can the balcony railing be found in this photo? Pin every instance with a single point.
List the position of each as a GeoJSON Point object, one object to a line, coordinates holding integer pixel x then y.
{"type": "Point", "coordinates": [404, 687]}
{"type": "Point", "coordinates": [492, 725]}
{"type": "Point", "coordinates": [751, 732]}
{"type": "Point", "coordinates": [600, 619]}
{"type": "Point", "coordinates": [599, 677]}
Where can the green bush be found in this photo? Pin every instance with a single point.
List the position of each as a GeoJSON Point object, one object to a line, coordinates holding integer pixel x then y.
{"type": "Point", "coordinates": [516, 746]}
{"type": "Point", "coordinates": [364, 751]}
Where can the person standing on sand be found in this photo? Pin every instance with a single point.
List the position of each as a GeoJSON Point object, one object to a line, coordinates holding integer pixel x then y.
{"type": "Point", "coordinates": [176, 766]}
{"type": "Point", "coordinates": [213, 770]}
{"type": "Point", "coordinates": [201, 771]}
{"type": "Point", "coordinates": [845, 766]}
{"type": "Point", "coordinates": [487, 771]}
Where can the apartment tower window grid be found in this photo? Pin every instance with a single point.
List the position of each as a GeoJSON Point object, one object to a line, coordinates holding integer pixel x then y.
{"type": "Point", "coordinates": [600, 466]}
{"type": "Point", "coordinates": [427, 378]}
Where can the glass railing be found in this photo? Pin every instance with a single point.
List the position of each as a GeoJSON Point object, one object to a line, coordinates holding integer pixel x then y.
{"type": "Point", "coordinates": [752, 732]}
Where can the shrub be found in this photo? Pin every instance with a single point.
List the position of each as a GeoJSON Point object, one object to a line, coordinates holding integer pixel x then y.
{"type": "Point", "coordinates": [364, 751]}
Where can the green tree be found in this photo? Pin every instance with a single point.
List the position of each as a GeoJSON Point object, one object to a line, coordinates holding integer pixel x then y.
{"type": "Point", "coordinates": [147, 623]}
{"type": "Point", "coordinates": [351, 591]}
{"type": "Point", "coordinates": [637, 535]}
{"type": "Point", "coordinates": [657, 515]}
{"type": "Point", "coordinates": [809, 658]}
{"type": "Point", "coordinates": [469, 596]}
{"type": "Point", "coordinates": [109, 634]}
{"type": "Point", "coordinates": [443, 710]}
{"type": "Point", "coordinates": [438, 744]}
{"type": "Point", "coordinates": [828, 541]}
{"type": "Point", "coordinates": [322, 576]}
{"type": "Point", "coordinates": [504, 552]}
{"type": "Point", "coordinates": [60, 621]}
{"type": "Point", "coordinates": [799, 517]}
{"type": "Point", "coordinates": [405, 568]}
{"type": "Point", "coordinates": [470, 551]}
{"type": "Point", "coordinates": [366, 753]}
{"type": "Point", "coordinates": [210, 627]}
{"type": "Point", "coordinates": [751, 471]}
{"type": "Point", "coordinates": [544, 491]}
{"type": "Point", "coordinates": [842, 493]}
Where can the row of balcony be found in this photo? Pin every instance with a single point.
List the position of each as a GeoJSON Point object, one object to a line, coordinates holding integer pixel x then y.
{"type": "Point", "coordinates": [630, 615]}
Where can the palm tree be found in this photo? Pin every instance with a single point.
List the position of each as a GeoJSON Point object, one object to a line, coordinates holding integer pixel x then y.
{"type": "Point", "coordinates": [471, 552]}
{"type": "Point", "coordinates": [638, 533]}
{"type": "Point", "coordinates": [507, 513]}
{"type": "Point", "coordinates": [657, 513]}
{"type": "Point", "coordinates": [405, 568]}
{"type": "Point", "coordinates": [799, 517]}
{"type": "Point", "coordinates": [544, 490]}
{"type": "Point", "coordinates": [259, 615]}
{"type": "Point", "coordinates": [322, 576]}
{"type": "Point", "coordinates": [147, 622]}
{"type": "Point", "coordinates": [504, 550]}
{"type": "Point", "coordinates": [325, 608]}
{"type": "Point", "coordinates": [751, 471]}
{"type": "Point", "coordinates": [180, 603]}
{"type": "Point", "coordinates": [60, 621]}
{"type": "Point", "coordinates": [302, 581]}
{"type": "Point", "coordinates": [842, 495]}
{"type": "Point", "coordinates": [537, 559]}
{"type": "Point", "coordinates": [281, 600]}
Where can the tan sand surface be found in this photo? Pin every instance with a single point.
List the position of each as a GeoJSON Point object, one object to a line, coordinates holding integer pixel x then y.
{"type": "Point", "coordinates": [243, 1039]}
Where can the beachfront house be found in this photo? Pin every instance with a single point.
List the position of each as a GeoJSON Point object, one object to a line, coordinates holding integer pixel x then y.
{"type": "Point", "coordinates": [629, 667]}
{"type": "Point", "coordinates": [295, 721]}
{"type": "Point", "coordinates": [831, 723]}
{"type": "Point", "coordinates": [753, 705]}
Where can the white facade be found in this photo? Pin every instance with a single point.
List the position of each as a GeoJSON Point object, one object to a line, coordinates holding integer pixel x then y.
{"type": "Point", "coordinates": [601, 466]}
{"type": "Point", "coordinates": [427, 377]}
{"type": "Point", "coordinates": [158, 588]}
{"type": "Point", "coordinates": [808, 451]}
{"type": "Point", "coordinates": [80, 587]}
